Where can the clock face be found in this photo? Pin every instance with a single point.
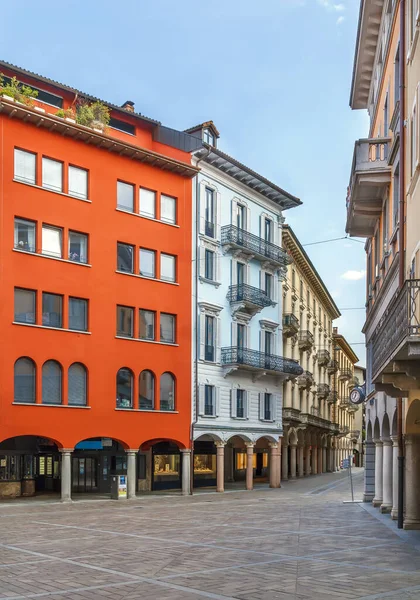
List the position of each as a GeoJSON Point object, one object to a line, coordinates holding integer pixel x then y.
{"type": "Point", "coordinates": [355, 396]}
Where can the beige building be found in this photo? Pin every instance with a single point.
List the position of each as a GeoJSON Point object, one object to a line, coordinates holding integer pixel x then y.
{"type": "Point", "coordinates": [317, 415]}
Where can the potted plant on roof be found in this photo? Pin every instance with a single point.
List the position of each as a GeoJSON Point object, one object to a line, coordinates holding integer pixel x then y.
{"type": "Point", "coordinates": [95, 115]}
{"type": "Point", "coordinates": [69, 114]}
{"type": "Point", "coordinates": [19, 92]}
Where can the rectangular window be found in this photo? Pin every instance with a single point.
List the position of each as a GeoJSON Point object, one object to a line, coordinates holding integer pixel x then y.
{"type": "Point", "coordinates": [397, 75]}
{"type": "Point", "coordinates": [78, 182]}
{"type": "Point", "coordinates": [125, 258]}
{"type": "Point", "coordinates": [125, 196]}
{"type": "Point", "coordinates": [209, 338]}
{"type": "Point", "coordinates": [167, 267]}
{"type": "Point", "coordinates": [52, 238]}
{"type": "Point", "coordinates": [240, 273]}
{"type": "Point", "coordinates": [209, 213]}
{"type": "Point", "coordinates": [25, 235]}
{"type": "Point", "coordinates": [209, 264]}
{"type": "Point", "coordinates": [147, 325]}
{"type": "Point", "coordinates": [52, 310]}
{"type": "Point", "coordinates": [240, 404]}
{"type": "Point", "coordinates": [147, 203]}
{"type": "Point", "coordinates": [78, 247]}
{"type": "Point", "coordinates": [240, 336]}
{"type": "Point", "coordinates": [267, 407]}
{"type": "Point", "coordinates": [147, 263]}
{"type": "Point", "coordinates": [122, 126]}
{"type": "Point", "coordinates": [78, 314]}
{"type": "Point", "coordinates": [125, 321]}
{"type": "Point", "coordinates": [241, 216]}
{"type": "Point", "coordinates": [52, 174]}
{"type": "Point", "coordinates": [25, 303]}
{"type": "Point", "coordinates": [268, 230]}
{"type": "Point", "coordinates": [167, 328]}
{"type": "Point", "coordinates": [25, 166]}
{"type": "Point", "coordinates": [268, 284]}
{"type": "Point", "coordinates": [268, 342]}
{"type": "Point", "coordinates": [209, 403]}
{"type": "Point", "coordinates": [167, 209]}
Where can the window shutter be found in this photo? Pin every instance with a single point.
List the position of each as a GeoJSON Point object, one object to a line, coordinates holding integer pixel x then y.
{"type": "Point", "coordinates": [261, 406]}
{"type": "Point", "coordinates": [202, 207]}
{"type": "Point", "coordinates": [233, 403]}
{"type": "Point", "coordinates": [234, 331]}
{"type": "Point", "coordinates": [202, 321]}
{"type": "Point", "coordinates": [217, 401]}
{"type": "Point", "coordinates": [234, 210]}
{"type": "Point", "coordinates": [218, 210]}
{"type": "Point", "coordinates": [248, 218]}
{"type": "Point", "coordinates": [261, 340]}
{"type": "Point", "coordinates": [262, 281]}
{"type": "Point", "coordinates": [246, 402]}
{"type": "Point", "coordinates": [248, 274]}
{"type": "Point", "coordinates": [201, 399]}
{"type": "Point", "coordinates": [218, 340]}
{"type": "Point", "coordinates": [275, 408]}
{"type": "Point", "coordinates": [218, 267]}
{"type": "Point", "coordinates": [202, 259]}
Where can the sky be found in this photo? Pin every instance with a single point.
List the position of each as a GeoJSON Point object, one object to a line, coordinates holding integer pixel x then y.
{"type": "Point", "coordinates": [273, 75]}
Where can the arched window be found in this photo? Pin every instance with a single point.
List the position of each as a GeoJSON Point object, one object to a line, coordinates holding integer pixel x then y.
{"type": "Point", "coordinates": [25, 371]}
{"type": "Point", "coordinates": [167, 392]}
{"type": "Point", "coordinates": [124, 388]}
{"type": "Point", "coordinates": [77, 385]}
{"type": "Point", "coordinates": [51, 382]}
{"type": "Point", "coordinates": [147, 390]}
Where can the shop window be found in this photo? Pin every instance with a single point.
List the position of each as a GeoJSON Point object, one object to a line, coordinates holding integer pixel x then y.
{"type": "Point", "coordinates": [52, 174]}
{"type": "Point", "coordinates": [124, 388]}
{"type": "Point", "coordinates": [25, 235]}
{"type": "Point", "coordinates": [25, 166]}
{"type": "Point", "coordinates": [25, 377]}
{"type": "Point", "coordinates": [205, 464]}
{"type": "Point", "coordinates": [77, 385]}
{"type": "Point", "coordinates": [51, 382]}
{"type": "Point", "coordinates": [167, 392]}
{"type": "Point", "coordinates": [78, 182]}
{"type": "Point", "coordinates": [166, 465]}
{"type": "Point", "coordinates": [9, 468]}
{"type": "Point", "coordinates": [146, 390]}
{"type": "Point", "coordinates": [241, 461]}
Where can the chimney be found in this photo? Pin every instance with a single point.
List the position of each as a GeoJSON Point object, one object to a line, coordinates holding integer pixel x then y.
{"type": "Point", "coordinates": [128, 105]}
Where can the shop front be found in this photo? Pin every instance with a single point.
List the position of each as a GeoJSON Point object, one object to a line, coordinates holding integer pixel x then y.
{"type": "Point", "coordinates": [259, 464]}
{"type": "Point", "coordinates": [166, 462]}
{"type": "Point", "coordinates": [94, 461]}
{"type": "Point", "coordinates": [204, 464]}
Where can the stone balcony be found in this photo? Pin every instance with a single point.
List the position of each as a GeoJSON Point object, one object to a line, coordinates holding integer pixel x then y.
{"type": "Point", "coordinates": [305, 380]}
{"type": "Point", "coordinates": [369, 181]}
{"type": "Point", "coordinates": [290, 325]}
{"type": "Point", "coordinates": [254, 246]}
{"type": "Point", "coordinates": [291, 416]}
{"type": "Point", "coordinates": [323, 357]}
{"type": "Point", "coordinates": [322, 390]}
{"type": "Point", "coordinates": [332, 397]}
{"type": "Point", "coordinates": [345, 374]}
{"type": "Point", "coordinates": [306, 340]}
{"type": "Point", "coordinates": [332, 367]}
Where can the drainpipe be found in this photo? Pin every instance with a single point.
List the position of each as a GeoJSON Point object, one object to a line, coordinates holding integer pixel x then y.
{"type": "Point", "coordinates": [401, 248]}
{"type": "Point", "coordinates": [197, 338]}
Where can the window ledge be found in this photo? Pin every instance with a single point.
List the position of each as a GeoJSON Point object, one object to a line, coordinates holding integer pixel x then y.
{"type": "Point", "coordinates": [50, 405]}
{"type": "Point", "coordinates": [134, 214]}
{"type": "Point", "coordinates": [52, 328]}
{"type": "Point", "coordinates": [240, 418]}
{"type": "Point", "coordinates": [145, 410]}
{"type": "Point", "coordinates": [148, 278]}
{"type": "Point", "coordinates": [39, 187]}
{"type": "Point", "coordinates": [207, 238]}
{"type": "Point", "coordinates": [210, 281]}
{"type": "Point", "coordinates": [122, 337]}
{"type": "Point", "coordinates": [267, 420]}
{"type": "Point", "coordinates": [65, 260]}
{"type": "Point", "coordinates": [208, 416]}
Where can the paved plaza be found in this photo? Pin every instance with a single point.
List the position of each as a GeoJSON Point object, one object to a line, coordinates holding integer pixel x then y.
{"type": "Point", "coordinates": [300, 542]}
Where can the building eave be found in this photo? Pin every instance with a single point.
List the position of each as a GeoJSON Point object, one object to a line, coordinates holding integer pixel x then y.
{"type": "Point", "coordinates": [346, 348]}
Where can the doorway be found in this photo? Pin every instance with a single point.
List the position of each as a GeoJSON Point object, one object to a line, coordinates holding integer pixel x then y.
{"type": "Point", "coordinates": [85, 474]}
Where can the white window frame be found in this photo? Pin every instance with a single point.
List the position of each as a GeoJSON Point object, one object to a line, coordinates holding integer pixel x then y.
{"type": "Point", "coordinates": [170, 260]}
{"type": "Point", "coordinates": [126, 185]}
{"type": "Point", "coordinates": [27, 160]}
{"type": "Point", "coordinates": [58, 166]}
{"type": "Point", "coordinates": [78, 173]}
{"type": "Point", "coordinates": [51, 229]}
{"type": "Point", "coordinates": [201, 400]}
{"type": "Point", "coordinates": [210, 310]}
{"type": "Point", "coordinates": [202, 210]}
{"type": "Point", "coordinates": [173, 220]}
{"type": "Point", "coordinates": [145, 195]}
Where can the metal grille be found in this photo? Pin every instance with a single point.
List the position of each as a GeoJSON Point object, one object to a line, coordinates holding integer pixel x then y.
{"type": "Point", "coordinates": [234, 235]}
{"type": "Point", "coordinates": [248, 293]}
{"type": "Point", "coordinates": [234, 355]}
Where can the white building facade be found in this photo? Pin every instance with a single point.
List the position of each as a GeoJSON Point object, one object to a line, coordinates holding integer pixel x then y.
{"type": "Point", "coordinates": [239, 369]}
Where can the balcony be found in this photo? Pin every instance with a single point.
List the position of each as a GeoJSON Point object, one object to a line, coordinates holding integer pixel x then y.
{"type": "Point", "coordinates": [354, 434]}
{"type": "Point", "coordinates": [249, 299]}
{"type": "Point", "coordinates": [316, 421]}
{"type": "Point", "coordinates": [332, 397]}
{"type": "Point", "coordinates": [305, 380]}
{"type": "Point", "coordinates": [236, 358]}
{"type": "Point", "coordinates": [290, 325]}
{"type": "Point", "coordinates": [332, 367]}
{"type": "Point", "coordinates": [369, 180]}
{"type": "Point", "coordinates": [343, 430]}
{"type": "Point", "coordinates": [396, 340]}
{"type": "Point", "coordinates": [345, 374]}
{"type": "Point", "coordinates": [322, 390]}
{"type": "Point", "coordinates": [233, 237]}
{"type": "Point", "coordinates": [323, 357]}
{"type": "Point", "coordinates": [352, 408]}
{"type": "Point", "coordinates": [344, 401]}
{"type": "Point", "coordinates": [306, 340]}
{"type": "Point", "coordinates": [291, 415]}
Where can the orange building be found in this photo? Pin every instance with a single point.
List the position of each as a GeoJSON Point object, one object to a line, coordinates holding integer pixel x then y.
{"type": "Point", "coordinates": [95, 311]}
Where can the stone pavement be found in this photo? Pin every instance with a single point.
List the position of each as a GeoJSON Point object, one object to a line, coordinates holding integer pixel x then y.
{"type": "Point", "coordinates": [299, 542]}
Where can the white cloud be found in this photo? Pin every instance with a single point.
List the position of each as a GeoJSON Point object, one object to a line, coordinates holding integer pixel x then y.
{"type": "Point", "coordinates": [353, 275]}
{"type": "Point", "coordinates": [340, 20]}
{"type": "Point", "coordinates": [331, 6]}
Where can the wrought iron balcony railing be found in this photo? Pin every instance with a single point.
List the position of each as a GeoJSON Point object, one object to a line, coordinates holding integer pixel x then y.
{"type": "Point", "coordinates": [260, 248]}
{"type": "Point", "coordinates": [305, 380]}
{"type": "Point", "coordinates": [306, 340]}
{"type": "Point", "coordinates": [290, 325]}
{"type": "Point", "coordinates": [332, 397]}
{"type": "Point", "coordinates": [345, 374]}
{"type": "Point", "coordinates": [322, 390]}
{"type": "Point", "coordinates": [323, 357]}
{"type": "Point", "coordinates": [259, 361]}
{"type": "Point", "coordinates": [247, 293]}
{"type": "Point", "coordinates": [398, 329]}
{"type": "Point", "coordinates": [332, 367]}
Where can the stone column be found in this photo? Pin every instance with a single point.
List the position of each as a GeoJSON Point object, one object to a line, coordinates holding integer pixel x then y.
{"type": "Point", "coordinates": [66, 474]}
{"type": "Point", "coordinates": [249, 466]}
{"type": "Point", "coordinates": [386, 505]}
{"type": "Point", "coordinates": [314, 460]}
{"type": "Point", "coordinates": [274, 465]}
{"type": "Point", "coordinates": [308, 460]}
{"type": "Point", "coordinates": [319, 469]}
{"type": "Point", "coordinates": [186, 471]}
{"type": "Point", "coordinates": [412, 482]}
{"type": "Point", "coordinates": [369, 475]}
{"type": "Point", "coordinates": [131, 474]}
{"type": "Point", "coordinates": [292, 461]}
{"type": "Point", "coordinates": [284, 463]}
{"type": "Point", "coordinates": [301, 451]}
{"type": "Point", "coordinates": [377, 501]}
{"type": "Point", "coordinates": [324, 460]}
{"type": "Point", "coordinates": [394, 511]}
{"type": "Point", "coordinates": [220, 467]}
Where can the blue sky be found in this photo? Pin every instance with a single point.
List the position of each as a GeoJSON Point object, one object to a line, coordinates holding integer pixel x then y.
{"type": "Point", "coordinates": [273, 75]}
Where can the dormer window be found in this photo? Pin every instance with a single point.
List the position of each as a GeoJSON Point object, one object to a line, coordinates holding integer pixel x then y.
{"type": "Point", "coordinates": [208, 137]}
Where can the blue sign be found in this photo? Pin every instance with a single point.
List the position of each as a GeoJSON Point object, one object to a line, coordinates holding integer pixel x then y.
{"type": "Point", "coordinates": [89, 445]}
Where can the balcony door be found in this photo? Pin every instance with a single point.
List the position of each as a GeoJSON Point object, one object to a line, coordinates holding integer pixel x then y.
{"type": "Point", "coordinates": [240, 340]}
{"type": "Point", "coordinates": [209, 213]}
{"type": "Point", "coordinates": [209, 351]}
{"type": "Point", "coordinates": [268, 348]}
{"type": "Point", "coordinates": [241, 221]}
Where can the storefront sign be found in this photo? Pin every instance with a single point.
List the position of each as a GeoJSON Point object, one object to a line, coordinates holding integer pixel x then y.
{"type": "Point", "coordinates": [122, 486]}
